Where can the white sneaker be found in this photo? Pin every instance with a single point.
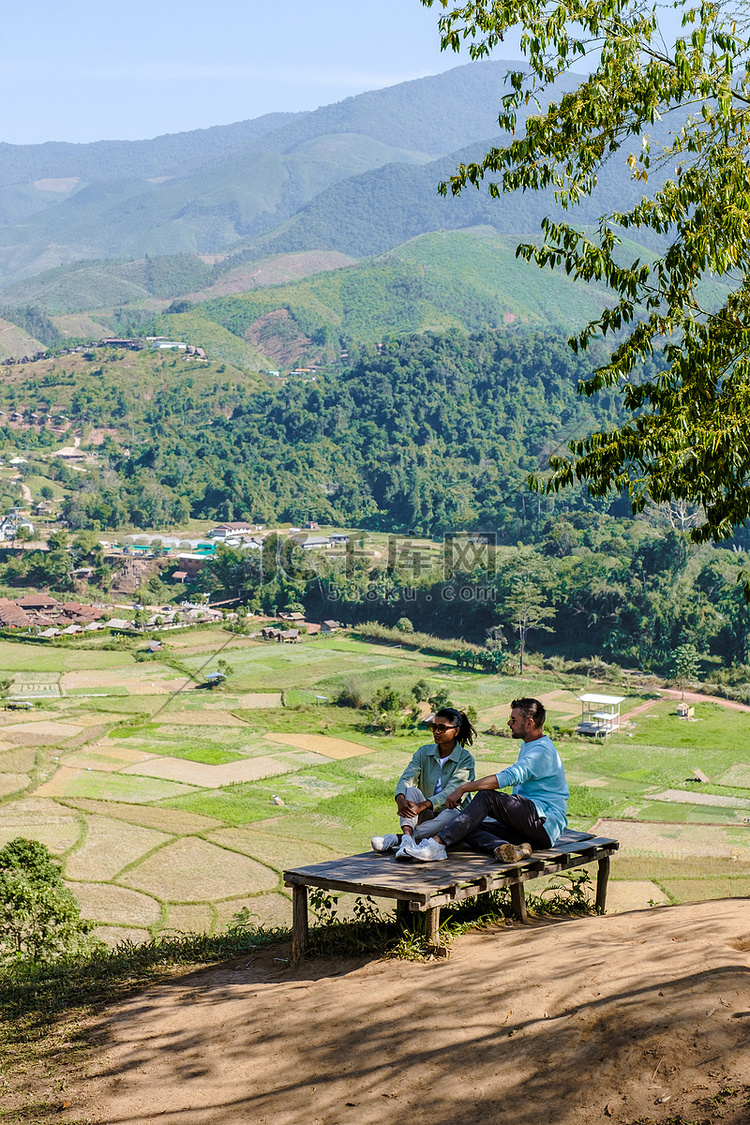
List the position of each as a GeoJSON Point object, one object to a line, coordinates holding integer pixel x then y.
{"type": "Point", "coordinates": [384, 843]}
{"type": "Point", "coordinates": [407, 842]}
{"type": "Point", "coordinates": [426, 851]}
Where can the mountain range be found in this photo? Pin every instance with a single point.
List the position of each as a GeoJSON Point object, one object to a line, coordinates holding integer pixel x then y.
{"type": "Point", "coordinates": [271, 184]}
{"type": "Point", "coordinates": [340, 206]}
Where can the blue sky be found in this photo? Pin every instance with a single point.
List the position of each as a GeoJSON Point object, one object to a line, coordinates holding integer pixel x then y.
{"type": "Point", "coordinates": [86, 70]}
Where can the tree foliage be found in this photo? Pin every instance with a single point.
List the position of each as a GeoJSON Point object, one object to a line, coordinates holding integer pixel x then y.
{"type": "Point", "coordinates": [678, 114]}
{"type": "Point", "coordinates": [685, 667]}
{"type": "Point", "coordinates": [39, 917]}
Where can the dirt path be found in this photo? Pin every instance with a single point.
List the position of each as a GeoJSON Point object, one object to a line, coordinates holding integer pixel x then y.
{"type": "Point", "coordinates": [690, 697]}
{"type": "Point", "coordinates": [698, 697]}
{"type": "Point", "coordinates": [635, 1017]}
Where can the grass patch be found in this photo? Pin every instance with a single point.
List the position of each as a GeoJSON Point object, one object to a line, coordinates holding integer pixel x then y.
{"type": "Point", "coordinates": [209, 755]}
{"type": "Point", "coordinates": [138, 729]}
{"type": "Point", "coordinates": [134, 788]}
{"type": "Point", "coordinates": [588, 804]}
{"type": "Point", "coordinates": [83, 692]}
{"type": "Point", "coordinates": [706, 887]}
{"type": "Point", "coordinates": [370, 802]}
{"type": "Point", "coordinates": [124, 704]}
{"type": "Point", "coordinates": [659, 867]}
{"type": "Point", "coordinates": [191, 869]}
{"type": "Point", "coordinates": [233, 804]}
{"type": "Point", "coordinates": [671, 812]}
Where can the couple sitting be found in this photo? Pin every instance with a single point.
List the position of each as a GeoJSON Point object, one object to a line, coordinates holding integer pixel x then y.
{"type": "Point", "coordinates": [430, 795]}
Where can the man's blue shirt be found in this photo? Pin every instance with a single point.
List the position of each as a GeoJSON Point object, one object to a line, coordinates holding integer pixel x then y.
{"type": "Point", "coordinates": [538, 775]}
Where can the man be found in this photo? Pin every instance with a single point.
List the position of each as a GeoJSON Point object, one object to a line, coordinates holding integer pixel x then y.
{"type": "Point", "coordinates": [529, 818]}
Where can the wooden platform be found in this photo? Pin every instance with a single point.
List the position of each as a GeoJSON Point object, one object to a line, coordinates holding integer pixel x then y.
{"type": "Point", "coordinates": [425, 887]}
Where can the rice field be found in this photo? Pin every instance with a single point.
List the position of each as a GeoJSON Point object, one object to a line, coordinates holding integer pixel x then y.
{"type": "Point", "coordinates": [171, 808]}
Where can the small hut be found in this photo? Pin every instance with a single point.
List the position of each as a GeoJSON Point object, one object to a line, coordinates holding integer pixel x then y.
{"type": "Point", "coordinates": [600, 714]}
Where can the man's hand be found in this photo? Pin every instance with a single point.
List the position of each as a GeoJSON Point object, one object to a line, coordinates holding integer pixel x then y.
{"type": "Point", "coordinates": [453, 800]}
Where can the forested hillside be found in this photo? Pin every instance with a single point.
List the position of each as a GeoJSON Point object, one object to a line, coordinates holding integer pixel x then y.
{"type": "Point", "coordinates": [454, 279]}
{"type": "Point", "coordinates": [424, 436]}
{"type": "Point", "coordinates": [202, 192]}
{"type": "Point", "coordinates": [427, 433]}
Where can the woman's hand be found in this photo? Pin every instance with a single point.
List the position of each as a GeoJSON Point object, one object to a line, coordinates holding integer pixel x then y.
{"type": "Point", "coordinates": [411, 808]}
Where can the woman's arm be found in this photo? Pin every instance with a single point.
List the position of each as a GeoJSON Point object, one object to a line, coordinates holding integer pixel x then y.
{"type": "Point", "coordinates": [411, 776]}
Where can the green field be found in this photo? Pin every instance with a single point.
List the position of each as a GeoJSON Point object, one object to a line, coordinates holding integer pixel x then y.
{"type": "Point", "coordinates": [164, 808]}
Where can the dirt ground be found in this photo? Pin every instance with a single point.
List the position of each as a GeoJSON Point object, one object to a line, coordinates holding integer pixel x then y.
{"type": "Point", "coordinates": [640, 1017]}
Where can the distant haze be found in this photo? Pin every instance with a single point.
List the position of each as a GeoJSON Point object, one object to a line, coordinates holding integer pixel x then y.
{"type": "Point", "coordinates": [85, 71]}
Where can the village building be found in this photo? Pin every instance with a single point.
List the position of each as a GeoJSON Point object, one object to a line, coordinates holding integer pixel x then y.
{"type": "Point", "coordinates": [12, 616]}
{"type": "Point", "coordinates": [311, 542]}
{"type": "Point", "coordinates": [227, 530]}
{"type": "Point", "coordinates": [189, 567]}
{"type": "Point", "coordinates": [10, 526]}
{"type": "Point", "coordinates": [37, 602]}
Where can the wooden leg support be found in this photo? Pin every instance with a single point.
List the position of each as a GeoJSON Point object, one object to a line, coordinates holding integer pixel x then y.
{"type": "Point", "coordinates": [432, 927]}
{"type": "Point", "coordinates": [404, 916]}
{"type": "Point", "coordinates": [518, 899]}
{"type": "Point", "coordinates": [299, 922]}
{"type": "Point", "coordinates": [602, 878]}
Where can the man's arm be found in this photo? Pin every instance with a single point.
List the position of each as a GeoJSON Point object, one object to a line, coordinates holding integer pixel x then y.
{"type": "Point", "coordinates": [454, 799]}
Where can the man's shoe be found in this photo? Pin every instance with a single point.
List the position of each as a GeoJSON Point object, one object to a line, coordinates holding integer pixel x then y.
{"type": "Point", "coordinates": [384, 843]}
{"type": "Point", "coordinates": [512, 853]}
{"type": "Point", "coordinates": [426, 851]}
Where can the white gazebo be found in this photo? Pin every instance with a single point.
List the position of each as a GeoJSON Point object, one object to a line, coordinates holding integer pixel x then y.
{"type": "Point", "coordinates": [600, 714]}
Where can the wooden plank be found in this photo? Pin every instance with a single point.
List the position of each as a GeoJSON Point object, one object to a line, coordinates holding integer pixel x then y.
{"type": "Point", "coordinates": [375, 888]}
{"type": "Point", "coordinates": [464, 875]}
{"type": "Point", "coordinates": [299, 923]}
{"type": "Point", "coordinates": [369, 867]}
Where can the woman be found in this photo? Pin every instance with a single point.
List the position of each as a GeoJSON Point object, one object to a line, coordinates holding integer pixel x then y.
{"type": "Point", "coordinates": [436, 770]}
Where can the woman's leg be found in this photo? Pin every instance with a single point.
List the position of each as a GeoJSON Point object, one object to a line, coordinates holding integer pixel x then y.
{"type": "Point", "coordinates": [409, 823]}
{"type": "Point", "coordinates": [435, 825]}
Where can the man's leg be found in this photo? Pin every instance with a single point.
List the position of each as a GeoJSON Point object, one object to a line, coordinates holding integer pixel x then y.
{"type": "Point", "coordinates": [517, 822]}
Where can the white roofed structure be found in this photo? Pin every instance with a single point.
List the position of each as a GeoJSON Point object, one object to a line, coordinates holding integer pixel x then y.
{"type": "Point", "coordinates": [600, 714]}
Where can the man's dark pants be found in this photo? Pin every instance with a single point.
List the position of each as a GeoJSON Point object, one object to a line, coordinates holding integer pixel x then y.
{"type": "Point", "coordinates": [515, 821]}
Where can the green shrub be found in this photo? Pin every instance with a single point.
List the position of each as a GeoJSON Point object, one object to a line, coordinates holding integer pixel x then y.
{"type": "Point", "coordinates": [352, 694]}
{"type": "Point", "coordinates": [440, 646]}
{"type": "Point", "coordinates": [40, 918]}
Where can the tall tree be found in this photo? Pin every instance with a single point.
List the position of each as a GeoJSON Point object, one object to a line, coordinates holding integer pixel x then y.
{"type": "Point", "coordinates": [677, 114]}
{"type": "Point", "coordinates": [685, 666]}
{"type": "Point", "coordinates": [527, 609]}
